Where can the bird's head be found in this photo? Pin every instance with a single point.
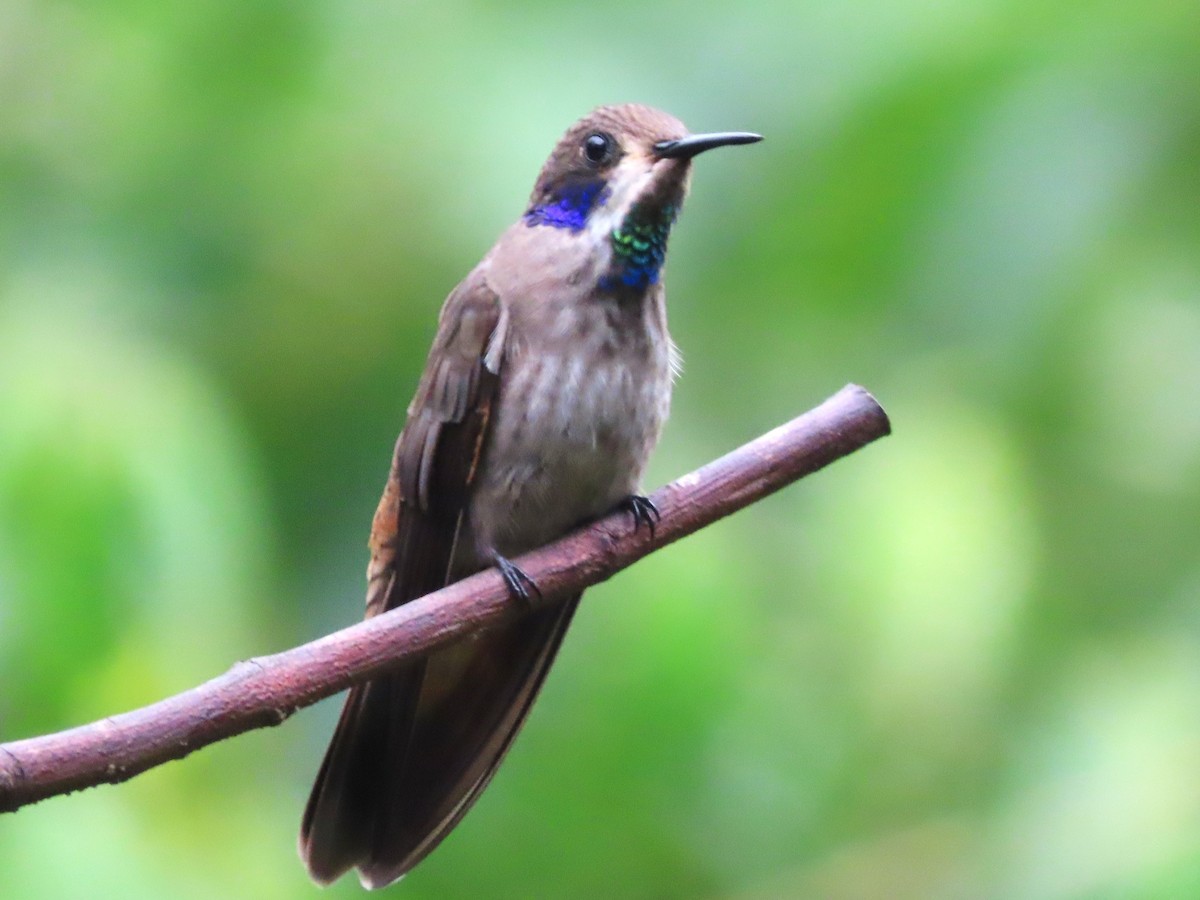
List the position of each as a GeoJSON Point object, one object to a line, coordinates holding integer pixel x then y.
{"type": "Point", "coordinates": [620, 174]}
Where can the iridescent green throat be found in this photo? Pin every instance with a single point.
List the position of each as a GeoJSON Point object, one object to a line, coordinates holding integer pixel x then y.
{"type": "Point", "coordinates": [639, 245]}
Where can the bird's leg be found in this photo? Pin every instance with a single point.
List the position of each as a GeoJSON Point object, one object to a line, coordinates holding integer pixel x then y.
{"type": "Point", "coordinates": [520, 585]}
{"type": "Point", "coordinates": [643, 510]}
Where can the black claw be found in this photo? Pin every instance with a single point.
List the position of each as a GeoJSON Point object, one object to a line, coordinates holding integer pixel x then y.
{"type": "Point", "coordinates": [643, 510]}
{"type": "Point", "coordinates": [520, 585]}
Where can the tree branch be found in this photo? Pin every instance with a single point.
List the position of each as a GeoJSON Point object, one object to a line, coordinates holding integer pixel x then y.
{"type": "Point", "coordinates": [267, 690]}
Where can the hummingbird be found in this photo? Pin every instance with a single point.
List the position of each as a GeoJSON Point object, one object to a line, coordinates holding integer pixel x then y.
{"type": "Point", "coordinates": [544, 393]}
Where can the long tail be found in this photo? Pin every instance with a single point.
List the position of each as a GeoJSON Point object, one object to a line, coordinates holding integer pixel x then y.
{"type": "Point", "coordinates": [414, 749]}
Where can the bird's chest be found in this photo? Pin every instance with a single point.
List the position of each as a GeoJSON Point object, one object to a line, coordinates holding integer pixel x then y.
{"type": "Point", "coordinates": [581, 407]}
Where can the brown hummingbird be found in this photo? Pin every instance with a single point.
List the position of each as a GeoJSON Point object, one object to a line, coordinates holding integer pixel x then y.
{"type": "Point", "coordinates": [543, 395]}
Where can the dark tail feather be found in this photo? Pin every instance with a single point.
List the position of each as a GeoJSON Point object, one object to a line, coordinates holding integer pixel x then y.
{"type": "Point", "coordinates": [364, 755]}
{"type": "Point", "coordinates": [462, 735]}
{"type": "Point", "coordinates": [400, 774]}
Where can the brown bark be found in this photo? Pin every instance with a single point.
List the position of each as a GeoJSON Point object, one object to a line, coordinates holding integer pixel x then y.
{"type": "Point", "coordinates": [267, 690]}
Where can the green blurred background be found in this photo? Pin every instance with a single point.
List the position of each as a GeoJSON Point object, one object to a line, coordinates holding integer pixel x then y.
{"type": "Point", "coordinates": [964, 663]}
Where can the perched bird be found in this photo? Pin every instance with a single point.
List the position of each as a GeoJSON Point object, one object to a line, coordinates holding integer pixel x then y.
{"type": "Point", "coordinates": [544, 393]}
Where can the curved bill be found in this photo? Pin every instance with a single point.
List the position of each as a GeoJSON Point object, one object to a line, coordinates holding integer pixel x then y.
{"type": "Point", "coordinates": [686, 148]}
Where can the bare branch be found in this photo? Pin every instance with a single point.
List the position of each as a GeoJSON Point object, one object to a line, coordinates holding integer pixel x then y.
{"type": "Point", "coordinates": [267, 690]}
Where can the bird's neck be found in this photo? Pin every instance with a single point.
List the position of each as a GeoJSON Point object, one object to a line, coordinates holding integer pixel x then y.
{"type": "Point", "coordinates": [636, 235]}
{"type": "Point", "coordinates": [639, 245]}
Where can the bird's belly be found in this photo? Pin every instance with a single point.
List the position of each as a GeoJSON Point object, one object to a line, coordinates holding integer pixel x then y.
{"type": "Point", "coordinates": [571, 439]}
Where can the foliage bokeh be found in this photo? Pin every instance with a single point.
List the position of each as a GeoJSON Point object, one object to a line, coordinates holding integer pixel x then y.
{"type": "Point", "coordinates": [962, 663]}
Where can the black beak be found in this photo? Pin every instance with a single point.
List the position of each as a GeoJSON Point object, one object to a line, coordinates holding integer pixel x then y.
{"type": "Point", "coordinates": [686, 148]}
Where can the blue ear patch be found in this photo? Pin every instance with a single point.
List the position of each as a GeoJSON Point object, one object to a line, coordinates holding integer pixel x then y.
{"type": "Point", "coordinates": [570, 207]}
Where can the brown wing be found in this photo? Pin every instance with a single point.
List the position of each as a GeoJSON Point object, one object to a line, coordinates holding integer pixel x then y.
{"type": "Point", "coordinates": [412, 541]}
{"type": "Point", "coordinates": [413, 749]}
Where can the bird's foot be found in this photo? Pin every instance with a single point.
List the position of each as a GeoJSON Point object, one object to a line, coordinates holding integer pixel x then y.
{"type": "Point", "coordinates": [520, 586]}
{"type": "Point", "coordinates": [643, 510]}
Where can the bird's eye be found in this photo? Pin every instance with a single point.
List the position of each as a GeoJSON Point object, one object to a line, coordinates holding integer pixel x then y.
{"type": "Point", "coordinates": [598, 148]}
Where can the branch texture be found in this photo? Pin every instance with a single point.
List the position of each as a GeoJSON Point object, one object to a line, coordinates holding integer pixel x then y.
{"type": "Point", "coordinates": [267, 690]}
